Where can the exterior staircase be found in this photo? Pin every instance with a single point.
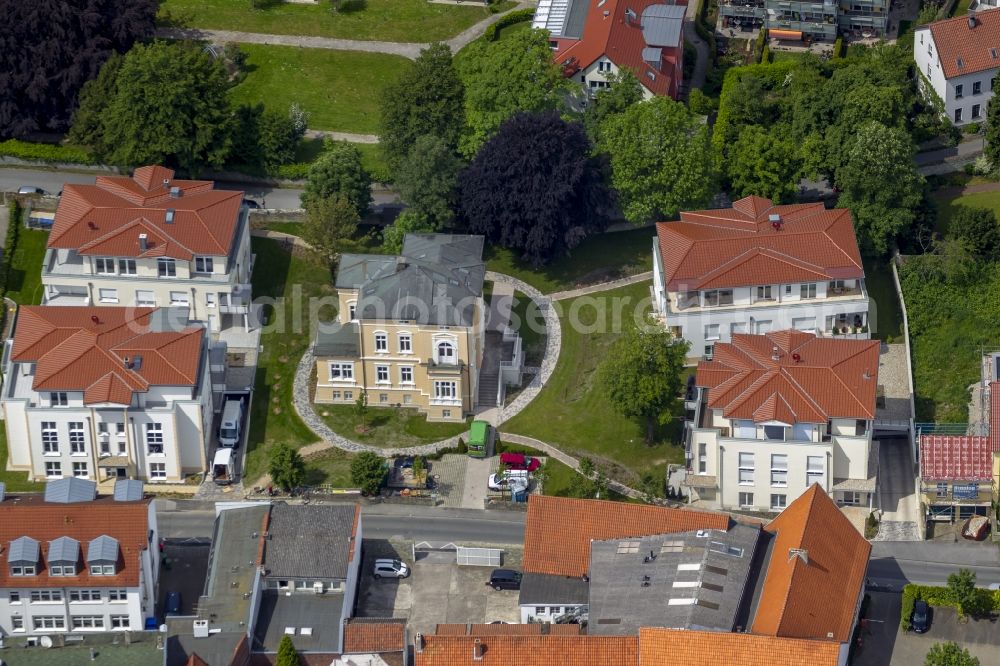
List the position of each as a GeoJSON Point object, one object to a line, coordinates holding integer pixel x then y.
{"type": "Point", "coordinates": [489, 373]}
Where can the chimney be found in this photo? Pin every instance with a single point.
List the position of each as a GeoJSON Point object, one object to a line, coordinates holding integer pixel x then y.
{"type": "Point", "coordinates": [418, 642]}
{"type": "Point", "coordinates": [142, 242]}
{"type": "Point", "coordinates": [800, 553]}
{"type": "Point", "coordinates": [478, 650]}
{"type": "Point", "coordinates": [166, 183]}
{"type": "Point", "coordinates": [868, 374]}
{"type": "Point", "coordinates": [775, 354]}
{"type": "Point", "coordinates": [775, 220]}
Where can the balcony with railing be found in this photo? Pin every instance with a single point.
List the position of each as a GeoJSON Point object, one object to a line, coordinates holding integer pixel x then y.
{"type": "Point", "coordinates": [71, 263]}
{"type": "Point", "coordinates": [743, 8]}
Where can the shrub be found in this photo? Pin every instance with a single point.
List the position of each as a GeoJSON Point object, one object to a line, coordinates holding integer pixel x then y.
{"type": "Point", "coordinates": [972, 128]}
{"type": "Point", "coordinates": [838, 48]}
{"type": "Point", "coordinates": [909, 598]}
{"type": "Point", "coordinates": [299, 171]}
{"type": "Point", "coordinates": [368, 471]}
{"type": "Point", "coordinates": [765, 55]}
{"type": "Point", "coordinates": [45, 152]}
{"type": "Point", "coordinates": [519, 16]}
{"type": "Point", "coordinates": [759, 46]}
{"type": "Point", "coordinates": [10, 245]}
{"type": "Point", "coordinates": [701, 103]}
{"type": "Point", "coordinates": [462, 447]}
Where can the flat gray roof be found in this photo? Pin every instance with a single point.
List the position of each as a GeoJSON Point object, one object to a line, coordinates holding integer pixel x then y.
{"type": "Point", "coordinates": [546, 589]}
{"type": "Point", "coordinates": [576, 18]}
{"type": "Point", "coordinates": [318, 614]}
{"type": "Point", "coordinates": [231, 568]}
{"type": "Point", "coordinates": [662, 24]}
{"type": "Point", "coordinates": [435, 280]}
{"type": "Point", "coordinates": [110, 649]}
{"type": "Point", "coordinates": [312, 541]}
{"type": "Point", "coordinates": [338, 340]}
{"type": "Point", "coordinates": [690, 580]}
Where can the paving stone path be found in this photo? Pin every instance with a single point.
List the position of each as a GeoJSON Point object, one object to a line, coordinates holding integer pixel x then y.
{"type": "Point", "coordinates": [603, 286]}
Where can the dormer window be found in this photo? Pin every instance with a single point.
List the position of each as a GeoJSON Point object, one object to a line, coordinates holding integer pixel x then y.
{"type": "Point", "coordinates": [102, 556]}
{"type": "Point", "coordinates": [64, 553]}
{"type": "Point", "coordinates": [23, 557]}
{"type": "Point", "coordinates": [204, 265]}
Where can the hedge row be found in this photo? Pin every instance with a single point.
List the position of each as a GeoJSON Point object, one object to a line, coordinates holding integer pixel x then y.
{"type": "Point", "coordinates": [45, 152]}
{"type": "Point", "coordinates": [838, 47]}
{"type": "Point", "coordinates": [761, 44]}
{"type": "Point", "coordinates": [10, 246]}
{"type": "Point", "coordinates": [520, 16]}
{"type": "Point", "coordinates": [939, 596]}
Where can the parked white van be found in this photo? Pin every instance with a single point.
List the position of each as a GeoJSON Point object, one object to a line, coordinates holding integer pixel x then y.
{"type": "Point", "coordinates": [232, 421]}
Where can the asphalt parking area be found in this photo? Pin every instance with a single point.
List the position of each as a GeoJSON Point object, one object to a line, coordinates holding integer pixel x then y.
{"type": "Point", "coordinates": [183, 568]}
{"type": "Point", "coordinates": [883, 642]}
{"type": "Point", "coordinates": [438, 591]}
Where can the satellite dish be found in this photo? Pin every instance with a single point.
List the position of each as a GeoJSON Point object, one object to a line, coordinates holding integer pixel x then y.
{"type": "Point", "coordinates": [45, 641]}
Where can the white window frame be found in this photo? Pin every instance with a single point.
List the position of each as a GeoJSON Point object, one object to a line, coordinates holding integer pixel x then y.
{"type": "Point", "coordinates": [341, 371]}
{"type": "Point", "coordinates": [53, 469]}
{"type": "Point", "coordinates": [16, 623]}
{"type": "Point", "coordinates": [50, 438]}
{"type": "Point", "coordinates": [154, 438]}
{"type": "Point", "coordinates": [180, 298]}
{"type": "Point", "coordinates": [204, 265]}
{"type": "Point", "coordinates": [381, 342]}
{"type": "Point", "coordinates": [116, 596]}
{"type": "Point", "coordinates": [815, 472]}
{"type": "Point", "coordinates": [746, 468]}
{"type": "Point", "coordinates": [445, 352]}
{"type": "Point", "coordinates": [142, 301]}
{"type": "Point", "coordinates": [779, 501]}
{"type": "Point", "coordinates": [382, 374]}
{"type": "Point", "coordinates": [851, 498]}
{"type": "Point", "coordinates": [107, 295]}
{"type": "Point", "coordinates": [764, 292]}
{"type": "Point", "coordinates": [807, 290]}
{"type": "Point", "coordinates": [120, 622]}
{"type": "Point", "coordinates": [104, 266]}
{"type": "Point", "coordinates": [84, 596]}
{"type": "Point", "coordinates": [352, 310]}
{"type": "Point", "coordinates": [46, 622]}
{"type": "Point", "coordinates": [445, 390]}
{"type": "Point", "coordinates": [87, 622]}
{"type": "Point", "coordinates": [406, 374]}
{"type": "Point", "coordinates": [46, 596]}
{"type": "Point", "coordinates": [746, 500]}
{"type": "Point", "coordinates": [166, 267]}
{"type": "Point", "coordinates": [58, 399]}
{"type": "Point", "coordinates": [712, 332]}
{"type": "Point", "coordinates": [209, 300]}
{"type": "Point", "coordinates": [81, 470]}
{"type": "Point", "coordinates": [102, 570]}
{"type": "Point", "coordinates": [702, 458]}
{"type": "Point", "coordinates": [779, 470]}
{"type": "Point", "coordinates": [77, 439]}
{"type": "Point", "coordinates": [126, 267]}
{"type": "Point", "coordinates": [405, 342]}
{"type": "Point", "coordinates": [157, 471]}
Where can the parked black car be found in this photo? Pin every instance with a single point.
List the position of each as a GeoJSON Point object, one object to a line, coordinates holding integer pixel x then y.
{"type": "Point", "coordinates": [921, 620]}
{"type": "Point", "coordinates": [505, 579]}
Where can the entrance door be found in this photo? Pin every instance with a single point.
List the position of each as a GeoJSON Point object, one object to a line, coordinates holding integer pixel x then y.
{"type": "Point", "coordinates": [121, 472]}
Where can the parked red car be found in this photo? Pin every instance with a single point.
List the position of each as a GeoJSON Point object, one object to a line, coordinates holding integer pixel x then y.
{"type": "Point", "coordinates": [519, 461]}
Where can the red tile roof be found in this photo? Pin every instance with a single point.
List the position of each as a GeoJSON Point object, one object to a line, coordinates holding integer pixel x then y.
{"type": "Point", "coordinates": [956, 458]}
{"type": "Point", "coordinates": [528, 651]}
{"type": "Point", "coordinates": [83, 349]}
{"type": "Point", "coordinates": [558, 530]}
{"type": "Point", "coordinates": [815, 600]}
{"type": "Point", "coordinates": [362, 636]}
{"type": "Point", "coordinates": [533, 629]}
{"type": "Point", "coordinates": [107, 217]}
{"type": "Point", "coordinates": [608, 32]}
{"type": "Point", "coordinates": [955, 41]}
{"type": "Point", "coordinates": [31, 516]}
{"type": "Point", "coordinates": [995, 417]}
{"type": "Point", "coordinates": [660, 647]}
{"type": "Point", "coordinates": [812, 380]}
{"type": "Point", "coordinates": [738, 246]}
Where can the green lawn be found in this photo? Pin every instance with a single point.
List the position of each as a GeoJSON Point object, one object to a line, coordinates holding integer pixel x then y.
{"type": "Point", "coordinates": [598, 258]}
{"type": "Point", "coordinates": [331, 467]}
{"type": "Point", "coordinates": [531, 328]}
{"type": "Point", "coordinates": [572, 413]}
{"type": "Point", "coordinates": [339, 89]}
{"type": "Point", "coordinates": [25, 285]}
{"type": "Point", "coordinates": [14, 482]}
{"type": "Point", "coordinates": [390, 427]}
{"type": "Point", "coordinates": [382, 20]}
{"type": "Point", "coordinates": [946, 203]}
{"type": "Point", "coordinates": [280, 275]}
{"type": "Point", "coordinates": [371, 156]}
{"type": "Point", "coordinates": [882, 290]}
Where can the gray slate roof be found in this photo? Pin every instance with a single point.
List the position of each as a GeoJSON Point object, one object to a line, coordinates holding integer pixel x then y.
{"type": "Point", "coordinates": [64, 549]}
{"type": "Point", "coordinates": [128, 490]}
{"type": "Point", "coordinates": [549, 590]}
{"type": "Point", "coordinates": [435, 280]}
{"type": "Point", "coordinates": [340, 340]}
{"type": "Point", "coordinates": [709, 593]}
{"type": "Point", "coordinates": [662, 24]}
{"type": "Point", "coordinates": [309, 541]}
{"type": "Point", "coordinates": [23, 550]}
{"type": "Point", "coordinates": [70, 490]}
{"type": "Point", "coordinates": [102, 549]}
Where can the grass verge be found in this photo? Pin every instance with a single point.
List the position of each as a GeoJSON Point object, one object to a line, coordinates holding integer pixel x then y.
{"type": "Point", "coordinates": [331, 467]}
{"type": "Point", "coordinates": [383, 20]}
{"type": "Point", "coordinates": [573, 413]}
{"type": "Point", "coordinates": [598, 258]}
{"type": "Point", "coordinates": [339, 89]}
{"type": "Point", "coordinates": [14, 482]}
{"type": "Point", "coordinates": [24, 286]}
{"type": "Point", "coordinates": [882, 290]}
{"type": "Point", "coordinates": [289, 278]}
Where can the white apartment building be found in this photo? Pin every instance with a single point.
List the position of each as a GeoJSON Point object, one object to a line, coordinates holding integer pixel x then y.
{"type": "Point", "coordinates": [106, 393]}
{"type": "Point", "coordinates": [777, 413]}
{"type": "Point", "coordinates": [152, 241]}
{"type": "Point", "coordinates": [958, 59]}
{"type": "Point", "coordinates": [758, 267]}
{"type": "Point", "coordinates": [77, 563]}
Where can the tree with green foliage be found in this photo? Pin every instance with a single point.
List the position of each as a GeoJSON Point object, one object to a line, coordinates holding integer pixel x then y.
{"type": "Point", "coordinates": [263, 137]}
{"type": "Point", "coordinates": [361, 409]}
{"type": "Point", "coordinates": [428, 179]}
{"type": "Point", "coordinates": [962, 586]}
{"type": "Point", "coordinates": [880, 184]}
{"type": "Point", "coordinates": [978, 229]}
{"type": "Point", "coordinates": [287, 656]}
{"type": "Point", "coordinates": [661, 160]}
{"type": "Point", "coordinates": [409, 221]}
{"type": "Point", "coordinates": [368, 470]}
{"type": "Point", "coordinates": [288, 469]}
{"type": "Point", "coordinates": [339, 170]}
{"type": "Point", "coordinates": [992, 147]}
{"type": "Point", "coordinates": [949, 654]}
{"type": "Point", "coordinates": [170, 104]}
{"type": "Point", "coordinates": [87, 127]}
{"type": "Point", "coordinates": [624, 90]}
{"type": "Point", "coordinates": [701, 103]}
{"type": "Point", "coordinates": [764, 164]}
{"type": "Point", "coordinates": [330, 222]}
{"type": "Point", "coordinates": [428, 99]}
{"type": "Point", "coordinates": [504, 77]}
{"type": "Point", "coordinates": [641, 375]}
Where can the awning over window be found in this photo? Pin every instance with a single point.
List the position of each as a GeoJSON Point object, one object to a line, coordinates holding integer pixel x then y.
{"type": "Point", "coordinates": [795, 35]}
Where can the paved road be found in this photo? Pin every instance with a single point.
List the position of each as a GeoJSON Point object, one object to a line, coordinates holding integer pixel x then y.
{"type": "Point", "coordinates": [278, 198]}
{"type": "Point", "coordinates": [691, 35]}
{"type": "Point", "coordinates": [964, 151]}
{"type": "Point", "coordinates": [406, 50]}
{"type": "Point", "coordinates": [185, 519]}
{"type": "Point", "coordinates": [897, 563]}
